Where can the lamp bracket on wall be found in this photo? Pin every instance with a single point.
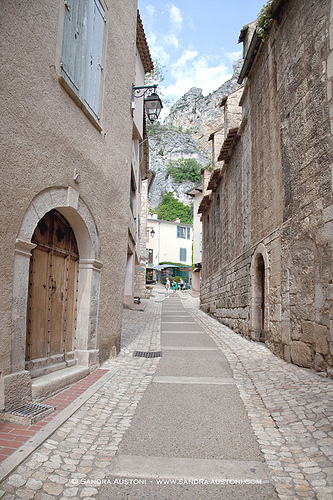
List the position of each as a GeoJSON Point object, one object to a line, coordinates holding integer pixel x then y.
{"type": "Point", "coordinates": [153, 103]}
{"type": "Point", "coordinates": [142, 91]}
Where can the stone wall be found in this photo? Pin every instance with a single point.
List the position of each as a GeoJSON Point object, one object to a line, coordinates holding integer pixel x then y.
{"type": "Point", "coordinates": [268, 230]}
{"type": "Point", "coordinates": [307, 233]}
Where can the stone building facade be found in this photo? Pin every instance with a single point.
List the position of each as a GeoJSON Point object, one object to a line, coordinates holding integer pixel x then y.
{"type": "Point", "coordinates": [168, 241]}
{"type": "Point", "coordinates": [196, 195]}
{"type": "Point", "coordinates": [66, 152]}
{"type": "Point", "coordinates": [135, 282]}
{"type": "Point", "coordinates": [267, 209]}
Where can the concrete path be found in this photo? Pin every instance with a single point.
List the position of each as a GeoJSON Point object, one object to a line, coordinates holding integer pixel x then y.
{"type": "Point", "coordinates": [190, 429]}
{"type": "Point", "coordinates": [216, 417]}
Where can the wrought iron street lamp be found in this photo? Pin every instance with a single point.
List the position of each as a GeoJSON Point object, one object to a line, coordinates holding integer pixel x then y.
{"type": "Point", "coordinates": [153, 103]}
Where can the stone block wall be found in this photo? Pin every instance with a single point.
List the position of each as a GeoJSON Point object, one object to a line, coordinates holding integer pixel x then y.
{"type": "Point", "coordinates": [226, 295]}
{"type": "Point", "coordinates": [305, 108]}
{"type": "Point", "coordinates": [268, 230]}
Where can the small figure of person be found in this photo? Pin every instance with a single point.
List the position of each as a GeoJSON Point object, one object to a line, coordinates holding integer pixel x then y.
{"type": "Point", "coordinates": [174, 287]}
{"type": "Point", "coordinates": [181, 283]}
{"type": "Point", "coordinates": [167, 287]}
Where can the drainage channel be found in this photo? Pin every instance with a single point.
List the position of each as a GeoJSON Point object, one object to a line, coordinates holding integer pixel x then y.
{"type": "Point", "coordinates": [147, 354]}
{"type": "Point", "coordinates": [29, 413]}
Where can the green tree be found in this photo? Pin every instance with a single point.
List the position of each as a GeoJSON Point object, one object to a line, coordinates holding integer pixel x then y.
{"type": "Point", "coordinates": [171, 209]}
{"type": "Point", "coordinates": [156, 75]}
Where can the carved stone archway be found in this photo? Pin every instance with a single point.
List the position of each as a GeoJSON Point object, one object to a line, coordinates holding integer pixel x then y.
{"type": "Point", "coordinates": [259, 295]}
{"type": "Point", "coordinates": [67, 201]}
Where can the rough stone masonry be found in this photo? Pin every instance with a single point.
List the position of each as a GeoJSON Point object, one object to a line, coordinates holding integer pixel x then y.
{"type": "Point", "coordinates": [268, 216]}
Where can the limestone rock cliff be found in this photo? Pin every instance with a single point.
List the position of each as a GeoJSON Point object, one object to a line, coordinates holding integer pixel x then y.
{"type": "Point", "coordinates": [184, 134]}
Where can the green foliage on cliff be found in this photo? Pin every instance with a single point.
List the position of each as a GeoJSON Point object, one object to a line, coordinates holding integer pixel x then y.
{"type": "Point", "coordinates": [157, 131]}
{"type": "Point", "coordinates": [171, 209]}
{"type": "Point", "coordinates": [184, 169]}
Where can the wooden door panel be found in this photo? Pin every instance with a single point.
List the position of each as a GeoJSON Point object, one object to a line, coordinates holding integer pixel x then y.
{"type": "Point", "coordinates": [57, 280]}
{"type": "Point", "coordinates": [38, 313]}
{"type": "Point", "coordinates": [60, 235]}
{"type": "Point", "coordinates": [52, 290]}
{"type": "Point", "coordinates": [71, 305]}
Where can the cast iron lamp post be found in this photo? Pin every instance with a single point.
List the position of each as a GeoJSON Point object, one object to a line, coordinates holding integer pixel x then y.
{"type": "Point", "coordinates": [153, 103]}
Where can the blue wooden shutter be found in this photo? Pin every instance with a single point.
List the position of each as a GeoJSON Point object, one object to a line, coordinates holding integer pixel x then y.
{"type": "Point", "coordinates": [188, 233]}
{"type": "Point", "coordinates": [93, 62]}
{"type": "Point", "coordinates": [182, 254]}
{"type": "Point", "coordinates": [73, 43]}
{"type": "Point", "coordinates": [178, 232]}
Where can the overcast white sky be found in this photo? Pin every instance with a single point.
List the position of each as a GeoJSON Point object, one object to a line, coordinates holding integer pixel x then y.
{"type": "Point", "coordinates": [196, 40]}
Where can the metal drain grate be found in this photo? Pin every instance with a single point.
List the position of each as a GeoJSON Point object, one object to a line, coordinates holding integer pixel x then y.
{"type": "Point", "coordinates": [147, 354]}
{"type": "Point", "coordinates": [30, 410]}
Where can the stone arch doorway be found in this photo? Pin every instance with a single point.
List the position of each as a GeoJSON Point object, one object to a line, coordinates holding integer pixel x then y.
{"type": "Point", "coordinates": [259, 306]}
{"type": "Point", "coordinates": [19, 385]}
{"type": "Point", "coordinates": [260, 292]}
{"type": "Point", "coordinates": [52, 296]}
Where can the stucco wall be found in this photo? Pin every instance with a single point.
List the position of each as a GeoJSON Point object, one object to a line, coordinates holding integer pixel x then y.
{"type": "Point", "coordinates": [197, 229]}
{"type": "Point", "coordinates": [46, 138]}
{"type": "Point", "coordinates": [170, 245]}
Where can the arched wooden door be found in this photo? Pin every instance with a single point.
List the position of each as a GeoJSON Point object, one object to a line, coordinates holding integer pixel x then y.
{"type": "Point", "coordinates": [259, 299]}
{"type": "Point", "coordinates": [52, 298]}
{"type": "Point", "coordinates": [261, 292]}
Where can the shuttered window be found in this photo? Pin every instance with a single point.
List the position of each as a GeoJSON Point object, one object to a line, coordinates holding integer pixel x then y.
{"type": "Point", "coordinates": [81, 62]}
{"type": "Point", "coordinates": [182, 254]}
{"type": "Point", "coordinates": [181, 232]}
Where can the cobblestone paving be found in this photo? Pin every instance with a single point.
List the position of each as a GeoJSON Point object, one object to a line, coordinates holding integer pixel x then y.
{"type": "Point", "coordinates": [141, 330]}
{"type": "Point", "coordinates": [75, 458]}
{"type": "Point", "coordinates": [291, 411]}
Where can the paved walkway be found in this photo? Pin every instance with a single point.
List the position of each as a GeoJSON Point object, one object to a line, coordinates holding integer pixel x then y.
{"type": "Point", "coordinates": [217, 415]}
{"type": "Point", "coordinates": [13, 435]}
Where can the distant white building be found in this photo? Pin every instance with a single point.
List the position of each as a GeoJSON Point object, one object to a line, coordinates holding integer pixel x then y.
{"type": "Point", "coordinates": [169, 242]}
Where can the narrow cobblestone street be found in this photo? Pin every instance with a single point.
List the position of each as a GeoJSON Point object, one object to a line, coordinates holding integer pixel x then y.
{"type": "Point", "coordinates": [215, 417]}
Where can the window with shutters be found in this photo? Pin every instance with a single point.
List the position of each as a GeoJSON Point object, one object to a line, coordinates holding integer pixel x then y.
{"type": "Point", "coordinates": [182, 254]}
{"type": "Point", "coordinates": [181, 232]}
{"type": "Point", "coordinates": [81, 62]}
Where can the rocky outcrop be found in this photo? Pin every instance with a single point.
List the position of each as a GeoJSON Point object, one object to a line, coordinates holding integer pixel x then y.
{"type": "Point", "coordinates": [184, 134]}
{"type": "Point", "coordinates": [202, 114]}
{"type": "Point", "coordinates": [169, 145]}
